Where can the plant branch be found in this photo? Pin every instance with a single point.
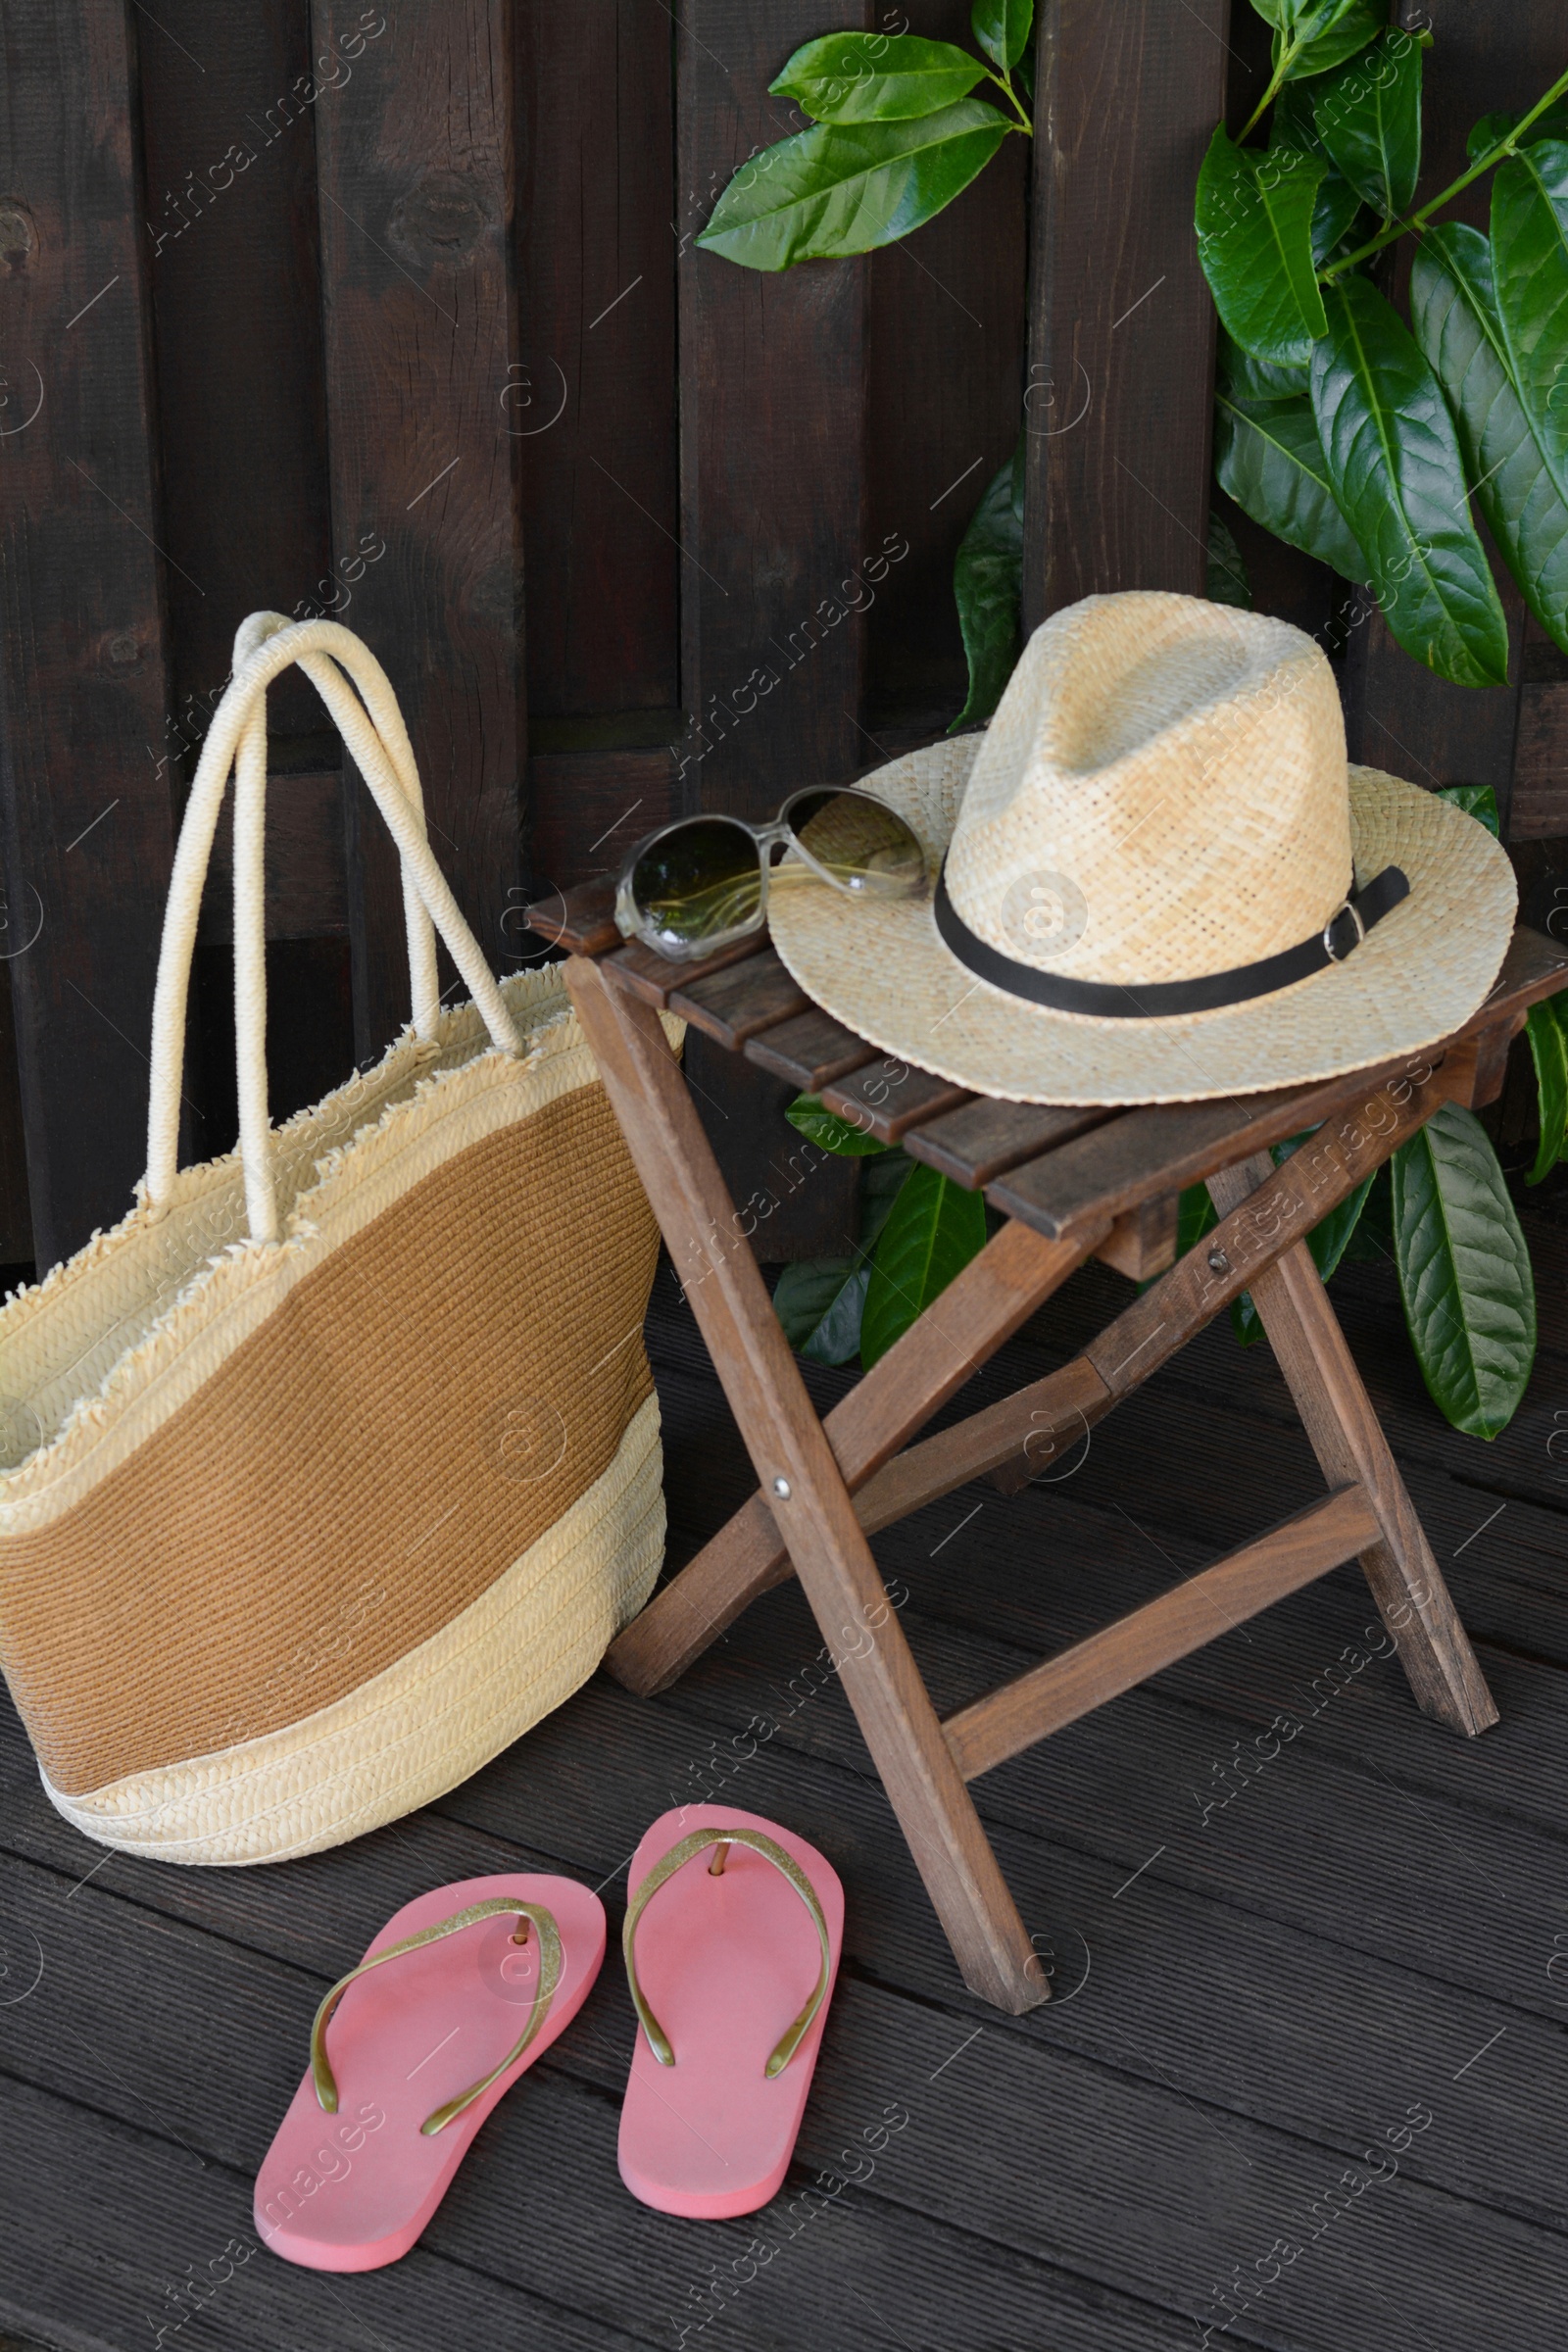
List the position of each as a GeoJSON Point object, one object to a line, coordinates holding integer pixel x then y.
{"type": "Point", "coordinates": [1004, 83]}
{"type": "Point", "coordinates": [1290, 50]}
{"type": "Point", "coordinates": [1418, 220]}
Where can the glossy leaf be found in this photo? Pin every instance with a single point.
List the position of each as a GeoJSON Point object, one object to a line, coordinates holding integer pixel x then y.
{"type": "Point", "coordinates": [1268, 456]}
{"type": "Point", "coordinates": [1547, 1031]}
{"type": "Point", "coordinates": [1394, 464]}
{"type": "Point", "coordinates": [1002, 29]}
{"type": "Point", "coordinates": [1521, 486]}
{"type": "Point", "coordinates": [1295, 125]}
{"type": "Point", "coordinates": [825, 1128]}
{"type": "Point", "coordinates": [1329, 31]}
{"type": "Point", "coordinates": [1530, 271]}
{"type": "Point", "coordinates": [1368, 115]}
{"type": "Point", "coordinates": [987, 583]}
{"type": "Point", "coordinates": [876, 77]}
{"type": "Point", "coordinates": [1476, 799]}
{"type": "Point", "coordinates": [1254, 241]}
{"type": "Point", "coordinates": [842, 188]}
{"type": "Point", "coordinates": [818, 1302]}
{"type": "Point", "coordinates": [1227, 580]}
{"type": "Point", "coordinates": [1552, 125]}
{"type": "Point", "coordinates": [1464, 1272]}
{"type": "Point", "coordinates": [933, 1231]}
{"type": "Point", "coordinates": [1245, 378]}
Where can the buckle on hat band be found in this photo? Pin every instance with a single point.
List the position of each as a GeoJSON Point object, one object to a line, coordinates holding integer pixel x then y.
{"type": "Point", "coordinates": [1164, 1000]}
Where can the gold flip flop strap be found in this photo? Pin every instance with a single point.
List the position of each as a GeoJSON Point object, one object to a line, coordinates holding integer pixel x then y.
{"type": "Point", "coordinates": [494, 1907]}
{"type": "Point", "coordinates": [676, 1859]}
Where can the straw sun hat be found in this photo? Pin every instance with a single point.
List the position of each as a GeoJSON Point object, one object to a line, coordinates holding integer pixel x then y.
{"type": "Point", "coordinates": [1143, 878]}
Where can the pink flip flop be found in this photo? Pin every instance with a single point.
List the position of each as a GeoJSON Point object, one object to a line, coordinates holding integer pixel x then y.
{"type": "Point", "coordinates": [407, 2061]}
{"type": "Point", "coordinates": [737, 1927]}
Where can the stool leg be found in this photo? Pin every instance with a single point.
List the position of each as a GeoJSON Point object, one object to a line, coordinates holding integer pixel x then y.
{"type": "Point", "coordinates": [1347, 1438]}
{"type": "Point", "coordinates": [807, 1494]}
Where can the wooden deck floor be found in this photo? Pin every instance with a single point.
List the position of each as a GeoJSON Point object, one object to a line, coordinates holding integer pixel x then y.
{"type": "Point", "coordinates": [1309, 2045]}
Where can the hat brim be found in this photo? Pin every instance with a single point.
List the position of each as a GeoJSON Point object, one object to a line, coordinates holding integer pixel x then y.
{"type": "Point", "coordinates": [1418, 976]}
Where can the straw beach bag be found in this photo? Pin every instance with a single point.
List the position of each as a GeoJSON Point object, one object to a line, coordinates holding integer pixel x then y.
{"type": "Point", "coordinates": [336, 1464]}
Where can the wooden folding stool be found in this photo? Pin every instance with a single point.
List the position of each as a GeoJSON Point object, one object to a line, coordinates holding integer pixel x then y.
{"type": "Point", "coordinates": [1073, 1184]}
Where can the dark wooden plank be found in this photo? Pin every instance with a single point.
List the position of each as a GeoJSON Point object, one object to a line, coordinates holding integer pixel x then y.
{"type": "Point", "coordinates": [229, 99]}
{"type": "Point", "coordinates": [1131, 1158]}
{"type": "Point", "coordinates": [776, 570]}
{"type": "Point", "coordinates": [772, 387]}
{"type": "Point", "coordinates": [946, 365]}
{"type": "Point", "coordinates": [582, 920]}
{"type": "Point", "coordinates": [655, 978]}
{"type": "Point", "coordinates": [1050, 1696]}
{"type": "Point", "coordinates": [589, 810]}
{"type": "Point", "coordinates": [83, 686]}
{"type": "Point", "coordinates": [887, 1097]}
{"type": "Point", "coordinates": [594, 405]}
{"type": "Point", "coordinates": [416, 179]}
{"type": "Point", "coordinates": [984, 1138]}
{"type": "Point", "coordinates": [810, 1050]}
{"type": "Point", "coordinates": [1121, 336]}
{"type": "Point", "coordinates": [307, 895]}
{"type": "Point", "coordinates": [1540, 806]}
{"type": "Point", "coordinates": [1142, 1241]}
{"type": "Point", "coordinates": [732, 1005]}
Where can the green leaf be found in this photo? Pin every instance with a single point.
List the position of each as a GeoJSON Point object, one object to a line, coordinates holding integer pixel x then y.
{"type": "Point", "coordinates": [1521, 486]}
{"type": "Point", "coordinates": [1247, 378]}
{"type": "Point", "coordinates": [1228, 583]}
{"type": "Point", "coordinates": [933, 1231]}
{"type": "Point", "coordinates": [1368, 114]}
{"type": "Point", "coordinates": [1476, 799]}
{"type": "Point", "coordinates": [1398, 477]}
{"type": "Point", "coordinates": [1295, 125]}
{"type": "Point", "coordinates": [876, 77]}
{"type": "Point", "coordinates": [1552, 125]}
{"type": "Point", "coordinates": [1548, 1032]}
{"type": "Point", "coordinates": [1002, 29]}
{"type": "Point", "coordinates": [1194, 1214]}
{"type": "Point", "coordinates": [1335, 29]}
{"type": "Point", "coordinates": [827, 1129]}
{"type": "Point", "coordinates": [988, 584]}
{"type": "Point", "coordinates": [818, 1300]}
{"type": "Point", "coordinates": [1530, 258]}
{"type": "Point", "coordinates": [1254, 241]}
{"type": "Point", "coordinates": [1464, 1272]}
{"type": "Point", "coordinates": [881, 1182]}
{"type": "Point", "coordinates": [1268, 456]}
{"type": "Point", "coordinates": [842, 188]}
{"type": "Point", "coordinates": [1372, 1242]}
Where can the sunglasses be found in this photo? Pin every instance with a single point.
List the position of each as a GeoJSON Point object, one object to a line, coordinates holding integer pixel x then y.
{"type": "Point", "coordinates": [694, 886]}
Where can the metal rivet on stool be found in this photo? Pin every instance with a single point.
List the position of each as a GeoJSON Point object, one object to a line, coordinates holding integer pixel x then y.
{"type": "Point", "coordinates": [1219, 1260]}
{"type": "Point", "coordinates": [781, 1488]}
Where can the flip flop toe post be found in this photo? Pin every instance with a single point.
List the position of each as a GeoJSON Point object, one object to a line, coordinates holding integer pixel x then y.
{"type": "Point", "coordinates": [457, 1996]}
{"type": "Point", "coordinates": [732, 1942]}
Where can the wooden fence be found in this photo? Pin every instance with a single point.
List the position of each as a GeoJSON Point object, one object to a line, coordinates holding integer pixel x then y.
{"type": "Point", "coordinates": [395, 312]}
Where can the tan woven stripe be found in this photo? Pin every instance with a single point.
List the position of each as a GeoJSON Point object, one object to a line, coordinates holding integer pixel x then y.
{"type": "Point", "coordinates": [418, 1411]}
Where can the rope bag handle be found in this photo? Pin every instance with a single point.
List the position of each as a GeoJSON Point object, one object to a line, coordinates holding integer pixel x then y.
{"type": "Point", "coordinates": [265, 644]}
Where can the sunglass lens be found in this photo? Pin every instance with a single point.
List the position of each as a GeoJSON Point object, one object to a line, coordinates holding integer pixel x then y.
{"type": "Point", "coordinates": [699, 886]}
{"type": "Point", "coordinates": [862, 844]}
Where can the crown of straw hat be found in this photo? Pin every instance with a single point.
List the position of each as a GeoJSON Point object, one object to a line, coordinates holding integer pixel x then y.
{"type": "Point", "coordinates": [1157, 879]}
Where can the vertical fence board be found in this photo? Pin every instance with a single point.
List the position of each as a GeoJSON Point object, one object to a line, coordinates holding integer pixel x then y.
{"type": "Point", "coordinates": [773, 409]}
{"type": "Point", "coordinates": [415, 171]}
{"type": "Point", "coordinates": [87, 818]}
{"type": "Point", "coordinates": [230, 169]}
{"type": "Point", "coordinates": [1121, 325]}
{"type": "Point", "coordinates": [594, 410]}
{"type": "Point", "coordinates": [944, 411]}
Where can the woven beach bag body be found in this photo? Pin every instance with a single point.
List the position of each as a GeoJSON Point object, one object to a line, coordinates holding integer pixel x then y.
{"type": "Point", "coordinates": [336, 1464]}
